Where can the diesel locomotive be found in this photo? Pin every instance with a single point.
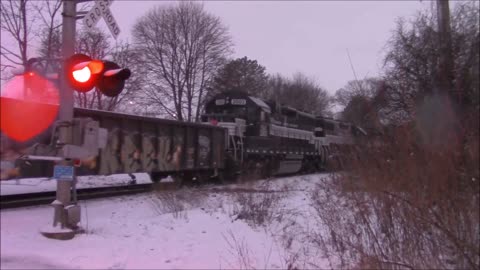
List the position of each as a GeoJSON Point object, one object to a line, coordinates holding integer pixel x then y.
{"type": "Point", "coordinates": [239, 134]}
{"type": "Point", "coordinates": [273, 139]}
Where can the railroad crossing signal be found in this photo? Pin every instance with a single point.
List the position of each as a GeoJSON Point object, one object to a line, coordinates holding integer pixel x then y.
{"type": "Point", "coordinates": [101, 9]}
{"type": "Point", "coordinates": [83, 73]}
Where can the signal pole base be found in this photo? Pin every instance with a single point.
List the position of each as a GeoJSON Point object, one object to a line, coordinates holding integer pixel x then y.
{"type": "Point", "coordinates": [58, 233]}
{"type": "Point", "coordinates": [61, 234]}
{"type": "Point", "coordinates": [65, 223]}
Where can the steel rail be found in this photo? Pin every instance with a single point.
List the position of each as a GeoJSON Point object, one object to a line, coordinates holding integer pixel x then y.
{"type": "Point", "coordinates": [42, 198]}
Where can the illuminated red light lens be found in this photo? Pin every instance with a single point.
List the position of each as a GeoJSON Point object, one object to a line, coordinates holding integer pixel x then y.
{"type": "Point", "coordinates": [82, 75]}
{"type": "Point", "coordinates": [26, 112]}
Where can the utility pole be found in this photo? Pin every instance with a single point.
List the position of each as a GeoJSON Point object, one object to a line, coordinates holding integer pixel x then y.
{"type": "Point", "coordinates": [451, 98]}
{"type": "Point", "coordinates": [445, 42]}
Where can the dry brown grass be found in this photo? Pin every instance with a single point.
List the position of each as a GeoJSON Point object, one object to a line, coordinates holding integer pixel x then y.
{"type": "Point", "coordinates": [405, 204]}
{"type": "Point", "coordinates": [177, 202]}
{"type": "Point", "coordinates": [240, 250]}
{"type": "Point", "coordinates": [258, 206]}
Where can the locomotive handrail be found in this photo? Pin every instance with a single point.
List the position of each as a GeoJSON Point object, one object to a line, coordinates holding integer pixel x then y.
{"type": "Point", "coordinates": [48, 158]}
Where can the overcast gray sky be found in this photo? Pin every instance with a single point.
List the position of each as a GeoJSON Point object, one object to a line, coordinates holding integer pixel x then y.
{"type": "Point", "coordinates": [309, 37]}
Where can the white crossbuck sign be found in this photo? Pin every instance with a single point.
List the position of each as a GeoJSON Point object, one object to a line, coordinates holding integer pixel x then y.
{"type": "Point", "coordinates": [99, 10]}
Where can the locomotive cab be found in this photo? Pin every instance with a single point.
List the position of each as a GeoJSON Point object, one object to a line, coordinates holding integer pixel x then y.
{"type": "Point", "coordinates": [243, 115]}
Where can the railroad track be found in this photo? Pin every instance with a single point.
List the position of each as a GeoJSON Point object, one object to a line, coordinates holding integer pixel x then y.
{"type": "Point", "coordinates": [41, 198]}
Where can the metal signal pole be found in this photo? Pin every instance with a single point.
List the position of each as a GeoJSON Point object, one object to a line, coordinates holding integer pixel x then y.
{"type": "Point", "coordinates": [68, 49]}
{"type": "Point", "coordinates": [65, 186]}
{"type": "Point", "coordinates": [92, 137]}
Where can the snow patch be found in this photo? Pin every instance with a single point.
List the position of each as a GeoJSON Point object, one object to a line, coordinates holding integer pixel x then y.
{"type": "Point", "coordinates": [190, 228]}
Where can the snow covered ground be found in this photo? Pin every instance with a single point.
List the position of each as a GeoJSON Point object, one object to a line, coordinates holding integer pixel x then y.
{"type": "Point", "coordinates": [260, 225]}
{"type": "Point", "coordinates": [33, 185]}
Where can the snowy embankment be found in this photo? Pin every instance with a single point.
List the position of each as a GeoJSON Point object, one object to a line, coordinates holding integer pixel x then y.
{"type": "Point", "coordinates": [260, 225]}
{"type": "Point", "coordinates": [34, 185]}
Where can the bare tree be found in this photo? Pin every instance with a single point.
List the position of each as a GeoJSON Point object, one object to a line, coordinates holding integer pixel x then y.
{"type": "Point", "coordinates": [411, 66]}
{"type": "Point", "coordinates": [49, 28]}
{"type": "Point", "coordinates": [363, 102]}
{"type": "Point", "coordinates": [24, 24]}
{"type": "Point", "coordinates": [412, 63]}
{"type": "Point", "coordinates": [241, 74]}
{"type": "Point", "coordinates": [181, 48]}
{"type": "Point", "coordinates": [50, 34]}
{"type": "Point", "coordinates": [16, 26]}
{"type": "Point", "coordinates": [300, 92]}
{"type": "Point", "coordinates": [366, 88]}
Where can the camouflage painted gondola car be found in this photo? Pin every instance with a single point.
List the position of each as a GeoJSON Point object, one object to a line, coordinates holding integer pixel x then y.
{"type": "Point", "coordinates": [142, 144]}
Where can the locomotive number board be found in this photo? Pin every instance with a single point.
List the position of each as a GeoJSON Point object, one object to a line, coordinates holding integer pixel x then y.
{"type": "Point", "coordinates": [238, 101]}
{"type": "Point", "coordinates": [233, 101]}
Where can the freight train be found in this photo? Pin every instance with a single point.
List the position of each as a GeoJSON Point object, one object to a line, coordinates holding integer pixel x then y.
{"type": "Point", "coordinates": [239, 134]}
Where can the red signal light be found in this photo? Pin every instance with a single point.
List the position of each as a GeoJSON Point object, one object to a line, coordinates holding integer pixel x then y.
{"type": "Point", "coordinates": [82, 75]}
{"type": "Point", "coordinates": [82, 72]}
{"type": "Point", "coordinates": [27, 109]}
